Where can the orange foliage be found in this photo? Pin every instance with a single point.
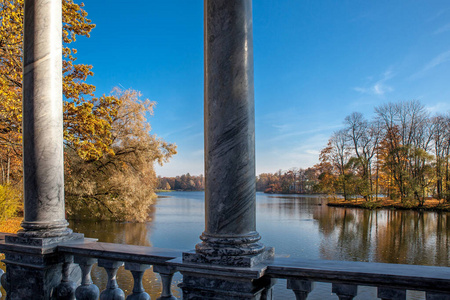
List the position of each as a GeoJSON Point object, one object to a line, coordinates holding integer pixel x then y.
{"type": "Point", "coordinates": [11, 225]}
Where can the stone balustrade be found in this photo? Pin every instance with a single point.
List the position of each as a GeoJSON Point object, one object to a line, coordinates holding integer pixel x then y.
{"type": "Point", "coordinates": [391, 280]}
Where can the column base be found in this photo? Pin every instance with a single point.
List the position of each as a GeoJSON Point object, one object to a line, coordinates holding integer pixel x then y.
{"type": "Point", "coordinates": [234, 261]}
{"type": "Point", "coordinates": [34, 267]}
{"type": "Point", "coordinates": [219, 283]}
{"type": "Point", "coordinates": [44, 229]}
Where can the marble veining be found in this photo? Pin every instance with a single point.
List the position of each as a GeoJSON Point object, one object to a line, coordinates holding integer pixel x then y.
{"type": "Point", "coordinates": [43, 120]}
{"type": "Point", "coordinates": [229, 131]}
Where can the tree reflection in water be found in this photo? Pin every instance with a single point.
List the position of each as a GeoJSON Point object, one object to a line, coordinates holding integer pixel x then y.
{"type": "Point", "coordinates": [391, 236]}
{"type": "Point", "coordinates": [298, 226]}
{"type": "Point", "coordinates": [122, 233]}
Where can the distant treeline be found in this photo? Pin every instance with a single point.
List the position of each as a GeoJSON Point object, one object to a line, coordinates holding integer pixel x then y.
{"type": "Point", "coordinates": [403, 152]}
{"type": "Point", "coordinates": [185, 182]}
{"type": "Point", "coordinates": [294, 181]}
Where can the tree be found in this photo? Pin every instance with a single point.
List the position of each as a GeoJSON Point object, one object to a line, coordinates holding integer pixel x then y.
{"type": "Point", "coordinates": [97, 137]}
{"type": "Point", "coordinates": [364, 136]}
{"type": "Point", "coordinates": [119, 186]}
{"type": "Point", "coordinates": [336, 163]}
{"type": "Point", "coordinates": [87, 119]}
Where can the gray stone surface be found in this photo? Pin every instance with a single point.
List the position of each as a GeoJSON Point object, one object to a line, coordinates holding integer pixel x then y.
{"type": "Point", "coordinates": [112, 291]}
{"type": "Point", "coordinates": [33, 272]}
{"type": "Point", "coordinates": [218, 258]}
{"type": "Point", "coordinates": [137, 270]}
{"type": "Point", "coordinates": [202, 286]}
{"type": "Point", "coordinates": [301, 288]}
{"type": "Point", "coordinates": [385, 293]}
{"type": "Point", "coordinates": [43, 121]}
{"type": "Point", "coordinates": [66, 288]}
{"type": "Point", "coordinates": [409, 277]}
{"type": "Point", "coordinates": [345, 291]}
{"type": "Point", "coordinates": [128, 253]}
{"type": "Point", "coordinates": [230, 229]}
{"type": "Point", "coordinates": [437, 296]}
{"type": "Point", "coordinates": [43, 242]}
{"type": "Point", "coordinates": [87, 290]}
{"type": "Point", "coordinates": [166, 273]}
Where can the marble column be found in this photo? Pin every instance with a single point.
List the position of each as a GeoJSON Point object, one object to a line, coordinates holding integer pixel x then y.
{"type": "Point", "coordinates": [43, 121]}
{"type": "Point", "coordinates": [229, 114]}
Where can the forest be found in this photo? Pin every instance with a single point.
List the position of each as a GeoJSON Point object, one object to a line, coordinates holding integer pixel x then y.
{"type": "Point", "coordinates": [401, 153]}
{"type": "Point", "coordinates": [185, 182]}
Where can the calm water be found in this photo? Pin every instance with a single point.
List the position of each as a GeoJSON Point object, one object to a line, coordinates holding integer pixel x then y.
{"type": "Point", "coordinates": [298, 226]}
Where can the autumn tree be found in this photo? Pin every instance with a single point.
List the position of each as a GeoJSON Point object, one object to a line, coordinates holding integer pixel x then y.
{"type": "Point", "coordinates": [87, 119]}
{"type": "Point", "coordinates": [120, 185]}
{"type": "Point", "coordinates": [364, 137]}
{"type": "Point", "coordinates": [407, 141]}
{"type": "Point", "coordinates": [441, 147]}
{"type": "Point", "coordinates": [98, 131]}
{"type": "Point", "coordinates": [395, 149]}
{"type": "Point", "coordinates": [338, 155]}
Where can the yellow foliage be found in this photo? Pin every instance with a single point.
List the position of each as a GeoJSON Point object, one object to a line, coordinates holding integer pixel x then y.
{"type": "Point", "coordinates": [11, 225]}
{"type": "Point", "coordinates": [120, 186]}
{"type": "Point", "coordinates": [10, 202]}
{"type": "Point", "coordinates": [87, 119]}
{"type": "Point", "coordinates": [107, 139]}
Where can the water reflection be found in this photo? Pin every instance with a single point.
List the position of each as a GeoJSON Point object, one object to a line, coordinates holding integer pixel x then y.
{"type": "Point", "coordinates": [391, 236]}
{"type": "Point", "coordinates": [298, 226]}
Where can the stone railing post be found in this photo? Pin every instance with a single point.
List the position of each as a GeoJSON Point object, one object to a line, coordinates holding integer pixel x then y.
{"type": "Point", "coordinates": [230, 237]}
{"type": "Point", "coordinates": [301, 288]}
{"type": "Point", "coordinates": [345, 291]}
{"type": "Point", "coordinates": [137, 270]}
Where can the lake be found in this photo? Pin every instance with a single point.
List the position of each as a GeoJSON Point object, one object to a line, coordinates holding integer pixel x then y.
{"type": "Point", "coordinates": [297, 226]}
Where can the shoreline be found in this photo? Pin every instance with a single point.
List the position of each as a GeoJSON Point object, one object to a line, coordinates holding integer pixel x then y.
{"type": "Point", "coordinates": [429, 205]}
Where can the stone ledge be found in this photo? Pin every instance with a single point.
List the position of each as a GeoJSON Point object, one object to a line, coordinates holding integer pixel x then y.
{"type": "Point", "coordinates": [254, 272]}
{"type": "Point", "coordinates": [233, 261]}
{"type": "Point", "coordinates": [34, 246]}
{"type": "Point", "coordinates": [120, 252]}
{"type": "Point", "coordinates": [42, 242]}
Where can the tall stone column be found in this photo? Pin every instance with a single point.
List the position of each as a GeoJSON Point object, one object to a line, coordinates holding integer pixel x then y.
{"type": "Point", "coordinates": [43, 120]}
{"type": "Point", "coordinates": [33, 265]}
{"type": "Point", "coordinates": [230, 236]}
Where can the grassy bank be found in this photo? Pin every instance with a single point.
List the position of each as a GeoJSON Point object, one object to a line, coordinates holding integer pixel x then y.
{"type": "Point", "coordinates": [429, 205]}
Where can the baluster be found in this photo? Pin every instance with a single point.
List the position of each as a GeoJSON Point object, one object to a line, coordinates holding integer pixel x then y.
{"type": "Point", "coordinates": [1, 283]}
{"type": "Point", "coordinates": [437, 296]}
{"type": "Point", "coordinates": [87, 290]}
{"type": "Point", "coordinates": [137, 270]}
{"type": "Point", "coordinates": [5, 282]}
{"type": "Point", "coordinates": [386, 293]}
{"type": "Point", "coordinates": [112, 291]}
{"type": "Point", "coordinates": [345, 291]}
{"type": "Point", "coordinates": [166, 273]}
{"type": "Point", "coordinates": [66, 289]}
{"type": "Point", "coordinates": [301, 288]}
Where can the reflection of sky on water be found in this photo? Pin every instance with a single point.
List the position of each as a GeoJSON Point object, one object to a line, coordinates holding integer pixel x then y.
{"type": "Point", "coordinates": [297, 226]}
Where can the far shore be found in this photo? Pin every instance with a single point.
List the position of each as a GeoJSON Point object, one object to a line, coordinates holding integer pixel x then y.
{"type": "Point", "coordinates": [429, 204]}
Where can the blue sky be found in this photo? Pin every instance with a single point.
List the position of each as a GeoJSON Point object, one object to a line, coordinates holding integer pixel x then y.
{"type": "Point", "coordinates": [315, 63]}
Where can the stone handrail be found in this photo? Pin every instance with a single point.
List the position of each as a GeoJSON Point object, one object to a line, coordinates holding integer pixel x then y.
{"type": "Point", "coordinates": [392, 280]}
